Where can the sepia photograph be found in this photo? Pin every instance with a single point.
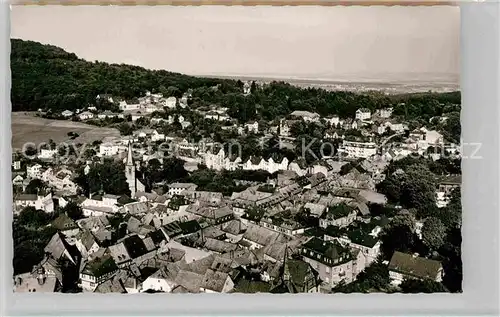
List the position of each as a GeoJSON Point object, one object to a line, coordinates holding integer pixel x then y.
{"type": "Point", "coordinates": [236, 149]}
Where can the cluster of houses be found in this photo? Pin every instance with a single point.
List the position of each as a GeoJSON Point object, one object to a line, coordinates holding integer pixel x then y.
{"type": "Point", "coordinates": [307, 228]}
{"type": "Point", "coordinates": [191, 241]}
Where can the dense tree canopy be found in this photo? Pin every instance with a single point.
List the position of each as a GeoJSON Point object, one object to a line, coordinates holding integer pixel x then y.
{"type": "Point", "coordinates": [108, 177]}
{"type": "Point", "coordinates": [374, 278]}
{"type": "Point", "coordinates": [73, 210]}
{"type": "Point", "coordinates": [30, 234]}
{"type": "Point", "coordinates": [433, 233]}
{"type": "Point", "coordinates": [47, 77]}
{"type": "Point", "coordinates": [422, 286]}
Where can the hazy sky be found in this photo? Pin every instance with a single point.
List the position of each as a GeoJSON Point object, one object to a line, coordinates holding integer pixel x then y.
{"type": "Point", "coordinates": [322, 42]}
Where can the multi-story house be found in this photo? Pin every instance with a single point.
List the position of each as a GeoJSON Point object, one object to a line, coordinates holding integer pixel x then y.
{"type": "Point", "coordinates": [41, 201]}
{"type": "Point", "coordinates": [341, 215]}
{"type": "Point", "coordinates": [286, 226]}
{"type": "Point", "coordinates": [97, 271]}
{"type": "Point", "coordinates": [358, 240]}
{"type": "Point", "coordinates": [363, 114]}
{"type": "Point", "coordinates": [358, 149]}
{"type": "Point", "coordinates": [252, 127]}
{"type": "Point", "coordinates": [108, 114]}
{"type": "Point", "coordinates": [109, 149]}
{"type": "Point", "coordinates": [34, 171]}
{"type": "Point", "coordinates": [332, 120]}
{"type": "Point", "coordinates": [178, 188]}
{"type": "Point", "coordinates": [306, 115]}
{"type": "Point", "coordinates": [258, 163]}
{"type": "Point", "coordinates": [331, 260]}
{"type": "Point", "coordinates": [411, 266]}
{"type": "Point", "coordinates": [86, 115]}
{"type": "Point", "coordinates": [386, 112]}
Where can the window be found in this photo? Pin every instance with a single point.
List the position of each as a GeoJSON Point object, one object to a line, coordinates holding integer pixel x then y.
{"type": "Point", "coordinates": [327, 270]}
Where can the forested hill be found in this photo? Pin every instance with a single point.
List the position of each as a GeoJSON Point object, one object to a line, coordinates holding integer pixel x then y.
{"type": "Point", "coordinates": [47, 77]}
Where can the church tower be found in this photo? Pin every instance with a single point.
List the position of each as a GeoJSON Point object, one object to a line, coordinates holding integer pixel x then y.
{"type": "Point", "coordinates": [130, 171]}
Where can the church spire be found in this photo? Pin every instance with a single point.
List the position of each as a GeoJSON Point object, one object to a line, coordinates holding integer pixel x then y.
{"type": "Point", "coordinates": [130, 160]}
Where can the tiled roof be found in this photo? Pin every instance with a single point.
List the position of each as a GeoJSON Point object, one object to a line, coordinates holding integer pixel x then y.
{"type": "Point", "coordinates": [414, 265]}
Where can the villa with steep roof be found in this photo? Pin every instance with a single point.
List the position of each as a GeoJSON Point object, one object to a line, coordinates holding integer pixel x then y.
{"type": "Point", "coordinates": [332, 261]}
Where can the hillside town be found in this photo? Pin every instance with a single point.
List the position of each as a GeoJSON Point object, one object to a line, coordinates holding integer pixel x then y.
{"type": "Point", "coordinates": [190, 198]}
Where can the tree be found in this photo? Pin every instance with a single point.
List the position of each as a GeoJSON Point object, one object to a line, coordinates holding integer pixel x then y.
{"type": "Point", "coordinates": [422, 286]}
{"type": "Point", "coordinates": [73, 210]}
{"type": "Point", "coordinates": [451, 215]}
{"type": "Point", "coordinates": [404, 218]}
{"type": "Point", "coordinates": [32, 217]}
{"type": "Point", "coordinates": [253, 87]}
{"type": "Point", "coordinates": [89, 153]}
{"type": "Point", "coordinates": [433, 233]}
{"type": "Point", "coordinates": [125, 129]}
{"type": "Point", "coordinates": [173, 169]}
{"type": "Point", "coordinates": [396, 238]}
{"type": "Point", "coordinates": [35, 186]}
{"type": "Point", "coordinates": [418, 189]}
{"type": "Point", "coordinates": [373, 278]}
{"type": "Point", "coordinates": [108, 177]}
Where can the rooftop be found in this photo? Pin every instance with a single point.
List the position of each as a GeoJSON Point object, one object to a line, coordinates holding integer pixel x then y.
{"type": "Point", "coordinates": [414, 265]}
{"type": "Point", "coordinates": [100, 266]}
{"type": "Point", "coordinates": [329, 250]}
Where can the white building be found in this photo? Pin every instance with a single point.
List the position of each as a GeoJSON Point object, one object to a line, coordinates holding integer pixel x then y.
{"type": "Point", "coordinates": [254, 164]}
{"type": "Point", "coordinates": [34, 171]}
{"type": "Point", "coordinates": [41, 202]}
{"type": "Point", "coordinates": [284, 128]}
{"type": "Point", "coordinates": [386, 112]}
{"type": "Point", "coordinates": [109, 114]}
{"type": "Point", "coordinates": [67, 113]}
{"type": "Point", "coordinates": [403, 265]}
{"type": "Point", "coordinates": [125, 106]}
{"type": "Point", "coordinates": [16, 165]}
{"type": "Point", "coordinates": [333, 120]}
{"type": "Point", "coordinates": [171, 102]}
{"type": "Point", "coordinates": [97, 271]}
{"type": "Point", "coordinates": [252, 127]}
{"type": "Point", "coordinates": [86, 115]}
{"type": "Point", "coordinates": [358, 149]}
{"type": "Point", "coordinates": [363, 114]}
{"type": "Point", "coordinates": [47, 154]}
{"type": "Point", "coordinates": [178, 188]}
{"type": "Point", "coordinates": [306, 116]}
{"type": "Point", "coordinates": [108, 149]}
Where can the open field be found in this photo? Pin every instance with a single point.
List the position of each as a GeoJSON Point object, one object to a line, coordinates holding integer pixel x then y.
{"type": "Point", "coordinates": [28, 128]}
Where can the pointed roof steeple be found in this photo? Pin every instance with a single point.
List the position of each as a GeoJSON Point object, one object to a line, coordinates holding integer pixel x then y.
{"type": "Point", "coordinates": [130, 160]}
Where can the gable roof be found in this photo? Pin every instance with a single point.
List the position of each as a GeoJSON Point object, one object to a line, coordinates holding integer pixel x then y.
{"type": "Point", "coordinates": [330, 250]}
{"type": "Point", "coordinates": [414, 265]}
{"type": "Point", "coordinates": [219, 246]}
{"type": "Point", "coordinates": [189, 280]}
{"type": "Point", "coordinates": [57, 247]}
{"type": "Point", "coordinates": [63, 222]}
{"type": "Point", "coordinates": [113, 285]}
{"type": "Point", "coordinates": [100, 266]}
{"type": "Point", "coordinates": [135, 246]}
{"type": "Point", "coordinates": [262, 236]}
{"type": "Point", "coordinates": [86, 238]}
{"type": "Point", "coordinates": [214, 280]}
